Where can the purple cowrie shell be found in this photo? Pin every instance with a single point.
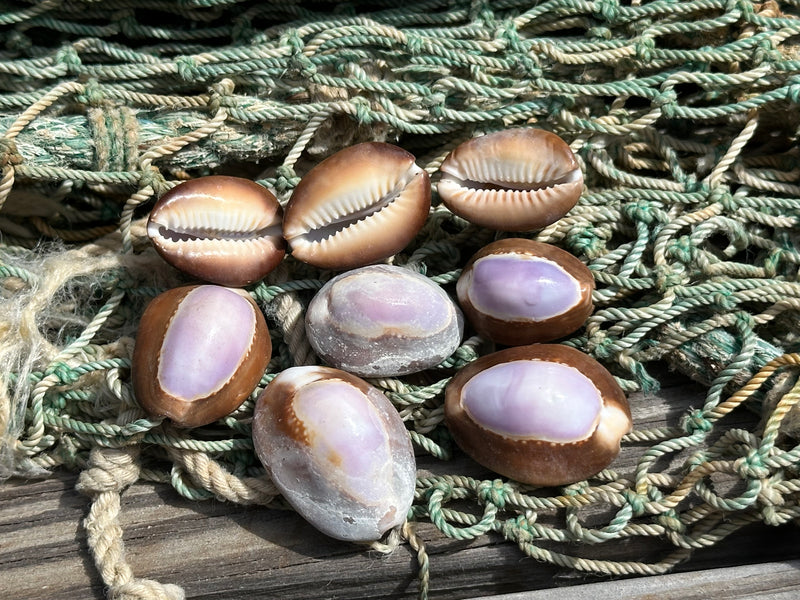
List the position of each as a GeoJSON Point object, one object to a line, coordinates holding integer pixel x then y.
{"type": "Point", "coordinates": [383, 321]}
{"type": "Point", "coordinates": [200, 352]}
{"type": "Point", "coordinates": [543, 414]}
{"type": "Point", "coordinates": [359, 206]}
{"type": "Point", "coordinates": [511, 180]}
{"type": "Point", "coordinates": [337, 450]}
{"type": "Point", "coordinates": [226, 230]}
{"type": "Point", "coordinates": [518, 291]}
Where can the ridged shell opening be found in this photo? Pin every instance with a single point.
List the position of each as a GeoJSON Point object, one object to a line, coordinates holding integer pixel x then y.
{"type": "Point", "coordinates": [350, 212]}
{"type": "Point", "coordinates": [499, 184]}
{"type": "Point", "coordinates": [184, 234]}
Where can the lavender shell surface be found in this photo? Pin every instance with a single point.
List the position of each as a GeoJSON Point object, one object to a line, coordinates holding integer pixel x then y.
{"type": "Point", "coordinates": [226, 230]}
{"type": "Point", "coordinates": [337, 450]}
{"type": "Point", "coordinates": [542, 414]}
{"type": "Point", "coordinates": [357, 207]}
{"type": "Point", "coordinates": [200, 352]}
{"type": "Point", "coordinates": [511, 180]}
{"type": "Point", "coordinates": [382, 321]}
{"type": "Point", "coordinates": [518, 291]}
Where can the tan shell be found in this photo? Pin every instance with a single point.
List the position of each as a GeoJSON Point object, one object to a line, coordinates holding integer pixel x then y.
{"type": "Point", "coordinates": [512, 180]}
{"type": "Point", "coordinates": [360, 206]}
{"type": "Point", "coordinates": [226, 230]}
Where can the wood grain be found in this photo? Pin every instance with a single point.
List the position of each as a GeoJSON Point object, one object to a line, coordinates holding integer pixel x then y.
{"type": "Point", "coordinates": [216, 550]}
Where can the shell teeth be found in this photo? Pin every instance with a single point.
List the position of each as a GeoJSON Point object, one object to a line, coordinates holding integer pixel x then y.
{"type": "Point", "coordinates": [343, 215]}
{"type": "Point", "coordinates": [205, 232]}
{"type": "Point", "coordinates": [493, 176]}
{"type": "Point", "coordinates": [189, 221]}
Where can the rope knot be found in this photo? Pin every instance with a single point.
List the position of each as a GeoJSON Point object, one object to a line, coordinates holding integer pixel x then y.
{"type": "Point", "coordinates": [443, 488]}
{"type": "Point", "coordinates": [723, 195]}
{"type": "Point", "coordinates": [696, 421]}
{"type": "Point", "coordinates": [219, 93]}
{"type": "Point", "coordinates": [297, 60]}
{"type": "Point", "coordinates": [671, 522]}
{"type": "Point", "coordinates": [363, 110]}
{"type": "Point", "coordinates": [509, 34]}
{"type": "Point", "coordinates": [637, 502]}
{"type": "Point", "coordinates": [152, 177]}
{"type": "Point", "coordinates": [66, 375]}
{"type": "Point", "coordinates": [414, 44]}
{"type": "Point", "coordinates": [435, 103]}
{"type": "Point", "coordinates": [600, 32]}
{"type": "Point", "coordinates": [494, 492]}
{"type": "Point", "coordinates": [667, 101]}
{"type": "Point", "coordinates": [643, 48]}
{"type": "Point", "coordinates": [146, 589]}
{"type": "Point", "coordinates": [683, 249]}
{"type": "Point", "coordinates": [667, 277]}
{"type": "Point", "coordinates": [765, 51]}
{"type": "Point", "coordinates": [751, 466]}
{"type": "Point", "coordinates": [723, 300]}
{"type": "Point", "coordinates": [607, 10]}
{"type": "Point", "coordinates": [587, 240]}
{"type": "Point", "coordinates": [601, 345]}
{"type": "Point", "coordinates": [286, 178]}
{"type": "Point", "coordinates": [481, 11]}
{"type": "Point", "coordinates": [527, 67]}
{"type": "Point", "coordinates": [68, 56]}
{"type": "Point", "coordinates": [110, 470]}
{"type": "Point", "coordinates": [187, 68]}
{"type": "Point", "coordinates": [9, 155]}
{"type": "Point", "coordinates": [93, 94]}
{"type": "Point", "coordinates": [640, 210]}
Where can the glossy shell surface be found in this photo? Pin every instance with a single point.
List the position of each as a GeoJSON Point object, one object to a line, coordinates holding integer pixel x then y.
{"type": "Point", "coordinates": [337, 450]}
{"type": "Point", "coordinates": [518, 291]}
{"type": "Point", "coordinates": [226, 230]}
{"type": "Point", "coordinates": [383, 320]}
{"type": "Point", "coordinates": [200, 352]}
{"type": "Point", "coordinates": [542, 414]}
{"type": "Point", "coordinates": [359, 206]}
{"type": "Point", "coordinates": [511, 180]}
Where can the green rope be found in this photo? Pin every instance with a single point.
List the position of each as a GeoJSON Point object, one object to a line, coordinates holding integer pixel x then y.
{"type": "Point", "coordinates": [684, 117]}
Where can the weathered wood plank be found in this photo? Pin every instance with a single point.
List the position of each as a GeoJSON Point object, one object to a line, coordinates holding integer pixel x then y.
{"type": "Point", "coordinates": [776, 581]}
{"type": "Point", "coordinates": [216, 550]}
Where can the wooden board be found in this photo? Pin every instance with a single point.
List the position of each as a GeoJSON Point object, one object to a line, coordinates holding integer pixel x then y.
{"type": "Point", "coordinates": [216, 550]}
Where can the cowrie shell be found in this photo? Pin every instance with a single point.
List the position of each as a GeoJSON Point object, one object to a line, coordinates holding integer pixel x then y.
{"type": "Point", "coordinates": [359, 206]}
{"type": "Point", "coordinates": [518, 291]}
{"type": "Point", "coordinates": [200, 352]}
{"type": "Point", "coordinates": [511, 180]}
{"type": "Point", "coordinates": [383, 321]}
{"type": "Point", "coordinates": [544, 414]}
{"type": "Point", "coordinates": [337, 450]}
{"type": "Point", "coordinates": [225, 230]}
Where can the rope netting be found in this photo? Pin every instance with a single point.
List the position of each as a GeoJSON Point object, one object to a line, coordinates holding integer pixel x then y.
{"type": "Point", "coordinates": [684, 116]}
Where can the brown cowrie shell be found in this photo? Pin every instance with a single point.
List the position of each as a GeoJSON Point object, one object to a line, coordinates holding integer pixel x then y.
{"type": "Point", "coordinates": [518, 291]}
{"type": "Point", "coordinates": [226, 230]}
{"type": "Point", "coordinates": [359, 206]}
{"type": "Point", "coordinates": [511, 180]}
{"type": "Point", "coordinates": [200, 352]}
{"type": "Point", "coordinates": [543, 414]}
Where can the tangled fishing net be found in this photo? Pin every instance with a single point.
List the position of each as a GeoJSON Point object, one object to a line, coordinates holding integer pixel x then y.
{"type": "Point", "coordinates": [685, 117]}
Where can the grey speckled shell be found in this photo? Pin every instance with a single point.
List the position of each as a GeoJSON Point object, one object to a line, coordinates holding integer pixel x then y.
{"type": "Point", "coordinates": [382, 321]}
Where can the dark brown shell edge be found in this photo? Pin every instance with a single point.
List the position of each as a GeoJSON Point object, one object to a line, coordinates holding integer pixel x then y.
{"type": "Point", "coordinates": [516, 333]}
{"type": "Point", "coordinates": [144, 367]}
{"type": "Point", "coordinates": [534, 462]}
